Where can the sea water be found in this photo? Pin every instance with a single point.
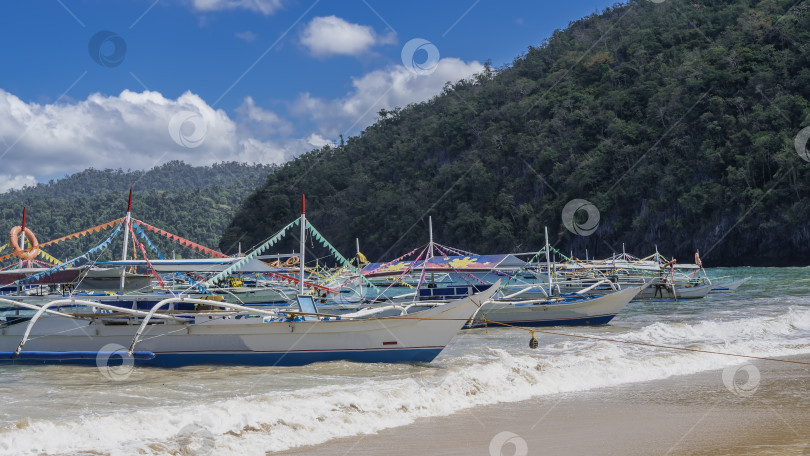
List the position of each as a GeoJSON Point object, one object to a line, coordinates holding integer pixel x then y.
{"type": "Point", "coordinates": [255, 410]}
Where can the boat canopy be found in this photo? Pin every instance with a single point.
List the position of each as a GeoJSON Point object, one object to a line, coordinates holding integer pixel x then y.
{"type": "Point", "coordinates": [642, 265]}
{"type": "Point", "coordinates": [466, 263]}
{"type": "Point", "coordinates": [193, 265]}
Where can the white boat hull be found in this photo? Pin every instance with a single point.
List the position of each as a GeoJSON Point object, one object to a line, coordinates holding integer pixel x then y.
{"type": "Point", "coordinates": [590, 310]}
{"type": "Point", "coordinates": [664, 292]}
{"type": "Point", "coordinates": [729, 287]}
{"type": "Point", "coordinates": [254, 341]}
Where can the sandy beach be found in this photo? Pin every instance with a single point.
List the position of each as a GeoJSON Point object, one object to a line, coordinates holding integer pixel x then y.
{"type": "Point", "coordinates": [683, 415]}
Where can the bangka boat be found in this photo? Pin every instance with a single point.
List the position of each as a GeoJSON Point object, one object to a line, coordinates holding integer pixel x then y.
{"type": "Point", "coordinates": [558, 311]}
{"type": "Point", "coordinates": [224, 333]}
{"type": "Point", "coordinates": [178, 331]}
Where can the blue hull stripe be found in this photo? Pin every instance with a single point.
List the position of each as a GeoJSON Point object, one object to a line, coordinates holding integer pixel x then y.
{"type": "Point", "coordinates": [298, 358]}
{"type": "Point", "coordinates": [582, 321]}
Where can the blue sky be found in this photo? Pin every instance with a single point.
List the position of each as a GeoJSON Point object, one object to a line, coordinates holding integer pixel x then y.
{"type": "Point", "coordinates": [250, 80]}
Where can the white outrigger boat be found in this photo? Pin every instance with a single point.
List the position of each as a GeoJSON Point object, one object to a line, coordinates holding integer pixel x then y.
{"type": "Point", "coordinates": [569, 309]}
{"type": "Point", "coordinates": [586, 310]}
{"type": "Point", "coordinates": [173, 333]}
{"type": "Point", "coordinates": [224, 333]}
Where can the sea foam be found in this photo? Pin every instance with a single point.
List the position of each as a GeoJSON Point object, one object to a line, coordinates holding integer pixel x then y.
{"type": "Point", "coordinates": [276, 420]}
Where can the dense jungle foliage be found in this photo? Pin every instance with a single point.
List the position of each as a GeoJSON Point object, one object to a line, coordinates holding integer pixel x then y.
{"type": "Point", "coordinates": [676, 119]}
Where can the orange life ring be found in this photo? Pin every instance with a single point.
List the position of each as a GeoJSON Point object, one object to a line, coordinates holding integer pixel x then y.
{"type": "Point", "coordinates": [24, 254]}
{"type": "Point", "coordinates": [293, 261]}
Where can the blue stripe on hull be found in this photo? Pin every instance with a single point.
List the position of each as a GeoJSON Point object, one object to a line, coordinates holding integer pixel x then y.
{"type": "Point", "coordinates": [583, 321]}
{"type": "Point", "coordinates": [414, 355]}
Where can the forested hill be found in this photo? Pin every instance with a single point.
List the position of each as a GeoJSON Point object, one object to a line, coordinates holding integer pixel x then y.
{"type": "Point", "coordinates": [196, 202]}
{"type": "Point", "coordinates": [676, 119]}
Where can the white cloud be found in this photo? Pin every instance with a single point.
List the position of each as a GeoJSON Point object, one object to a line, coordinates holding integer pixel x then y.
{"type": "Point", "coordinates": [261, 121]}
{"type": "Point", "coordinates": [318, 141]}
{"type": "Point", "coordinates": [331, 35]}
{"type": "Point", "coordinates": [396, 86]}
{"type": "Point", "coordinates": [265, 7]}
{"type": "Point", "coordinates": [9, 182]}
{"type": "Point", "coordinates": [246, 36]}
{"type": "Point", "coordinates": [130, 130]}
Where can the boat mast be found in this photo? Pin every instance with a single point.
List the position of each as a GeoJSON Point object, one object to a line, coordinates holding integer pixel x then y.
{"type": "Point", "coordinates": [430, 248]}
{"type": "Point", "coordinates": [430, 231]}
{"type": "Point", "coordinates": [360, 284]}
{"type": "Point", "coordinates": [22, 238]}
{"type": "Point", "coordinates": [303, 244]}
{"type": "Point", "coordinates": [548, 262]}
{"type": "Point", "coordinates": [126, 242]}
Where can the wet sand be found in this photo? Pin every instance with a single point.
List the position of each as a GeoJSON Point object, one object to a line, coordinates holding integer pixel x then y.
{"type": "Point", "coordinates": [684, 415]}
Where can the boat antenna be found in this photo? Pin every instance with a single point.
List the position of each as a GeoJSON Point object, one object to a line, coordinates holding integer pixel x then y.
{"type": "Point", "coordinates": [126, 237]}
{"type": "Point", "coordinates": [303, 245]}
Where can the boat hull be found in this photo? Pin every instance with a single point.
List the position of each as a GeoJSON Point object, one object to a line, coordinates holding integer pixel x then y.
{"type": "Point", "coordinates": [729, 287]}
{"type": "Point", "coordinates": [662, 292]}
{"type": "Point", "coordinates": [253, 340]}
{"type": "Point", "coordinates": [587, 311]}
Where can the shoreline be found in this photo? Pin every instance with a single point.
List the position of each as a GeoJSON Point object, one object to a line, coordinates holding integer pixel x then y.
{"type": "Point", "coordinates": [765, 414]}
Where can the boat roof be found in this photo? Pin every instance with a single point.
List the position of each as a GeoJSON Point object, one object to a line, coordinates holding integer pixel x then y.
{"type": "Point", "coordinates": [624, 264]}
{"type": "Point", "coordinates": [193, 265]}
{"type": "Point", "coordinates": [467, 263]}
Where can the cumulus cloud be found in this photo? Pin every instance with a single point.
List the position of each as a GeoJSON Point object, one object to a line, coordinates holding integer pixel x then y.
{"type": "Point", "coordinates": [9, 182]}
{"type": "Point", "coordinates": [261, 121]}
{"type": "Point", "coordinates": [139, 130]}
{"type": "Point", "coordinates": [331, 35]}
{"type": "Point", "coordinates": [265, 7]}
{"type": "Point", "coordinates": [388, 88]}
{"type": "Point", "coordinates": [131, 130]}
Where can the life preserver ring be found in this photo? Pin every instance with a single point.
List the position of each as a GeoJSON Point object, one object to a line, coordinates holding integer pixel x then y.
{"type": "Point", "coordinates": [24, 254]}
{"type": "Point", "coordinates": [292, 261]}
